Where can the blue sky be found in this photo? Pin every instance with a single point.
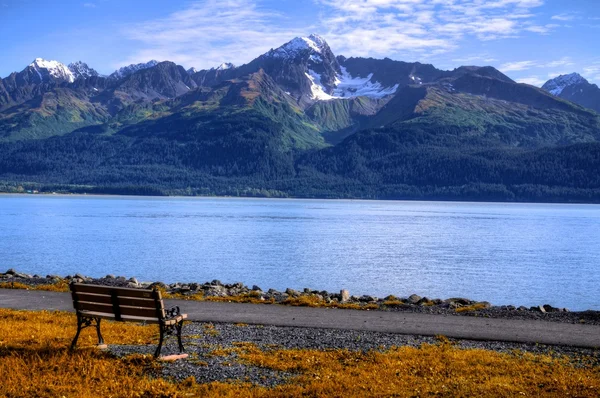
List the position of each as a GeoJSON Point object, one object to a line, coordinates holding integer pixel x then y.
{"type": "Point", "coordinates": [529, 40]}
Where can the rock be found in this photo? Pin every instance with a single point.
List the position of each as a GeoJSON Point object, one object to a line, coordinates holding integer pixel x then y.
{"type": "Point", "coordinates": [307, 290]}
{"type": "Point", "coordinates": [272, 291]}
{"type": "Point", "coordinates": [522, 308]}
{"type": "Point", "coordinates": [133, 280]}
{"type": "Point", "coordinates": [132, 285]}
{"type": "Point", "coordinates": [11, 271]}
{"type": "Point", "coordinates": [550, 308]}
{"type": "Point", "coordinates": [194, 286]}
{"type": "Point", "coordinates": [539, 308]}
{"type": "Point", "coordinates": [109, 276]}
{"type": "Point", "coordinates": [79, 276]}
{"type": "Point", "coordinates": [460, 300]}
{"type": "Point", "coordinates": [366, 299]}
{"type": "Point", "coordinates": [292, 292]}
{"type": "Point", "coordinates": [256, 288]}
{"type": "Point", "coordinates": [414, 299]}
{"type": "Point", "coordinates": [345, 295]}
{"type": "Point", "coordinates": [157, 285]}
{"type": "Point", "coordinates": [423, 301]}
{"type": "Point", "coordinates": [121, 279]}
{"type": "Point", "coordinates": [216, 282]}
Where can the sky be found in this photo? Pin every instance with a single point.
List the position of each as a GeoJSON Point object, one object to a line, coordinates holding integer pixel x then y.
{"type": "Point", "coordinates": [529, 40]}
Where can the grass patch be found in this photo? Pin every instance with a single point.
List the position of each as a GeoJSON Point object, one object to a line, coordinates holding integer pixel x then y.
{"type": "Point", "coordinates": [35, 361]}
{"type": "Point", "coordinates": [474, 307]}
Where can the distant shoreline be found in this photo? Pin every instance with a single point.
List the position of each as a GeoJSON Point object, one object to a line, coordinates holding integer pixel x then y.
{"type": "Point", "coordinates": [109, 195]}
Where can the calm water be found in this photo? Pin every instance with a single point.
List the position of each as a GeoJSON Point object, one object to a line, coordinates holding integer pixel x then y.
{"type": "Point", "coordinates": [523, 254]}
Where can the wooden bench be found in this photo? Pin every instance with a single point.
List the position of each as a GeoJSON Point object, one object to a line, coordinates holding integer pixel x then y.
{"type": "Point", "coordinates": [94, 302]}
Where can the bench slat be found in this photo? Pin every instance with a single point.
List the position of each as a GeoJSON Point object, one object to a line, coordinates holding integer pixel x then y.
{"type": "Point", "coordinates": [104, 299]}
{"type": "Point", "coordinates": [130, 318]}
{"type": "Point", "coordinates": [121, 291]}
{"type": "Point", "coordinates": [124, 310]}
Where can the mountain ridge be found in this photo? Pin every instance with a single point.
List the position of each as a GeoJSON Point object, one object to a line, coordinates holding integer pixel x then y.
{"type": "Point", "coordinates": [297, 120]}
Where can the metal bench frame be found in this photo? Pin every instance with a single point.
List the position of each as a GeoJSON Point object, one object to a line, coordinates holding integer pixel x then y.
{"type": "Point", "coordinates": [93, 303]}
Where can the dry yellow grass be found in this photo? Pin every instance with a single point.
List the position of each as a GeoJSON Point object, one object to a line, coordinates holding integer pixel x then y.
{"type": "Point", "coordinates": [474, 307]}
{"type": "Point", "coordinates": [61, 286]}
{"type": "Point", "coordinates": [35, 362]}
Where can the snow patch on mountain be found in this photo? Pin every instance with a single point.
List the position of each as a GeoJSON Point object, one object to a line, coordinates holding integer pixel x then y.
{"type": "Point", "coordinates": [131, 69]}
{"type": "Point", "coordinates": [192, 70]}
{"type": "Point", "coordinates": [316, 88]}
{"type": "Point", "coordinates": [53, 69]}
{"type": "Point", "coordinates": [558, 84]}
{"type": "Point", "coordinates": [347, 86]}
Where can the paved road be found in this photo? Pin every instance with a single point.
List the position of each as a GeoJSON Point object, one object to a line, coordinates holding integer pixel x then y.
{"type": "Point", "coordinates": [379, 321]}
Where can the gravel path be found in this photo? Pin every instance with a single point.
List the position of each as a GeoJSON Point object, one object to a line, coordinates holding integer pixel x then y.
{"type": "Point", "coordinates": [201, 339]}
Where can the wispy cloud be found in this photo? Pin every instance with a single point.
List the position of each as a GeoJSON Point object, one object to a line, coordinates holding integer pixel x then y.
{"type": "Point", "coordinates": [418, 27]}
{"type": "Point", "coordinates": [515, 66]}
{"type": "Point", "coordinates": [564, 17]}
{"type": "Point", "coordinates": [89, 5]}
{"type": "Point", "coordinates": [533, 80]}
{"type": "Point", "coordinates": [208, 33]}
{"type": "Point", "coordinates": [525, 65]}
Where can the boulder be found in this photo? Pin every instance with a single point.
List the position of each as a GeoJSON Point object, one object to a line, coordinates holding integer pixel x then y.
{"type": "Point", "coordinates": [345, 295]}
{"type": "Point", "coordinates": [414, 298]}
{"type": "Point", "coordinates": [366, 299]}
{"type": "Point", "coordinates": [256, 288]}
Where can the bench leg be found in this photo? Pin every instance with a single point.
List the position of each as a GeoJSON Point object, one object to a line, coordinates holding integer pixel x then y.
{"type": "Point", "coordinates": [100, 338]}
{"type": "Point", "coordinates": [82, 323]}
{"type": "Point", "coordinates": [160, 340]}
{"type": "Point", "coordinates": [179, 326]}
{"type": "Point", "coordinates": [79, 327]}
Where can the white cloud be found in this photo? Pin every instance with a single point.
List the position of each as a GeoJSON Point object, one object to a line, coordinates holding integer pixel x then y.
{"type": "Point", "coordinates": [417, 27]}
{"type": "Point", "coordinates": [515, 66]}
{"type": "Point", "coordinates": [208, 33]}
{"type": "Point", "coordinates": [533, 80]}
{"type": "Point", "coordinates": [563, 17]}
{"type": "Point", "coordinates": [524, 65]}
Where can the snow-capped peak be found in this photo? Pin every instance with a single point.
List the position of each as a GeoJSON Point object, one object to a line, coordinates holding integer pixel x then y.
{"type": "Point", "coordinates": [313, 43]}
{"type": "Point", "coordinates": [192, 70]}
{"type": "Point", "coordinates": [130, 69]}
{"type": "Point", "coordinates": [51, 69]}
{"type": "Point", "coordinates": [225, 66]}
{"type": "Point", "coordinates": [558, 84]}
{"type": "Point", "coordinates": [82, 70]}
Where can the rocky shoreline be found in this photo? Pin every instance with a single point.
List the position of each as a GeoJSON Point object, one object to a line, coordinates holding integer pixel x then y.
{"type": "Point", "coordinates": [216, 290]}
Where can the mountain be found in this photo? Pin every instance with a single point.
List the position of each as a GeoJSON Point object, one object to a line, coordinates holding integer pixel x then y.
{"type": "Point", "coordinates": [576, 89]}
{"type": "Point", "coordinates": [297, 120]}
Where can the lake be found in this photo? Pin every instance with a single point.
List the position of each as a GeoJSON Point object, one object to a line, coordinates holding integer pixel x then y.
{"type": "Point", "coordinates": [521, 254]}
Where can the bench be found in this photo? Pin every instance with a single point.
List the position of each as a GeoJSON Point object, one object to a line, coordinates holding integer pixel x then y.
{"type": "Point", "coordinates": [93, 303]}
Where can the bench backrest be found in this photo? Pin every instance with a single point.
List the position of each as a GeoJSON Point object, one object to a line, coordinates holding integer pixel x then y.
{"type": "Point", "coordinates": [117, 301]}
